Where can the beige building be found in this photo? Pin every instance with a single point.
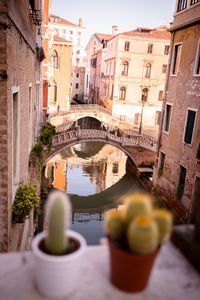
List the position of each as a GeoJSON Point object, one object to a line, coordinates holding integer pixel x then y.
{"type": "Point", "coordinates": [135, 71]}
{"type": "Point", "coordinates": [177, 172]}
{"type": "Point", "coordinates": [59, 73]}
{"type": "Point", "coordinates": [21, 104]}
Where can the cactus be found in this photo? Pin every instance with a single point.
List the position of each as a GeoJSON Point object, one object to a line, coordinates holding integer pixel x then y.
{"type": "Point", "coordinates": [164, 221]}
{"type": "Point", "coordinates": [114, 224]}
{"type": "Point", "coordinates": [143, 235]}
{"type": "Point", "coordinates": [137, 204]}
{"type": "Point", "coordinates": [58, 208]}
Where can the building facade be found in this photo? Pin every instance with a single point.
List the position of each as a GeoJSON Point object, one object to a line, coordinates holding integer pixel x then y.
{"type": "Point", "coordinates": [76, 35]}
{"type": "Point", "coordinates": [97, 42]}
{"type": "Point", "coordinates": [21, 55]}
{"type": "Point", "coordinates": [135, 72]}
{"type": "Point", "coordinates": [59, 73]}
{"type": "Point", "coordinates": [177, 172]}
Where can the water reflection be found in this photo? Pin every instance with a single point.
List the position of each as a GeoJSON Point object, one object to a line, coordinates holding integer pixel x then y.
{"type": "Point", "coordinates": [94, 175]}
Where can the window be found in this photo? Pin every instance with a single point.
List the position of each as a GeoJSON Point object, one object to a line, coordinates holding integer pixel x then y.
{"type": "Point", "coordinates": [160, 96]}
{"type": "Point", "coordinates": [71, 32]}
{"type": "Point", "coordinates": [126, 46]}
{"type": "Point", "coordinates": [54, 59]}
{"type": "Point", "coordinates": [158, 117]}
{"type": "Point", "coordinates": [191, 115]}
{"type": "Point", "coordinates": [78, 33]}
{"type": "Point", "coordinates": [176, 59]}
{"type": "Point", "coordinates": [194, 2]}
{"type": "Point", "coordinates": [77, 75]}
{"type": "Point", "coordinates": [161, 160]}
{"type": "Point", "coordinates": [115, 168]}
{"type": "Point", "coordinates": [78, 42]}
{"type": "Point", "coordinates": [77, 85]}
{"type": "Point", "coordinates": [56, 31]}
{"type": "Point", "coordinates": [150, 48]}
{"type": "Point", "coordinates": [181, 183]}
{"type": "Point", "coordinates": [63, 31]}
{"type": "Point", "coordinates": [197, 61]}
{"type": "Point", "coordinates": [77, 61]}
{"type": "Point", "coordinates": [52, 92]}
{"type": "Point", "coordinates": [77, 51]}
{"type": "Point", "coordinates": [167, 117]}
{"type": "Point", "coordinates": [166, 51]}
{"type": "Point", "coordinates": [148, 70]}
{"type": "Point", "coordinates": [145, 92]}
{"type": "Point", "coordinates": [164, 68]}
{"type": "Point", "coordinates": [32, 4]}
{"type": "Point", "coordinates": [125, 68]}
{"type": "Point", "coordinates": [122, 95]}
{"type": "Point", "coordinates": [182, 4]}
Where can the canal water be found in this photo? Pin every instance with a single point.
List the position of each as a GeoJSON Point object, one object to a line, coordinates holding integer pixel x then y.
{"type": "Point", "coordinates": [95, 176]}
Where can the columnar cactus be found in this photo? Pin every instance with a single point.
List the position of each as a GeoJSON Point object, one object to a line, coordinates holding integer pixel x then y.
{"type": "Point", "coordinates": [58, 209]}
{"type": "Point", "coordinates": [163, 219]}
{"type": "Point", "coordinates": [143, 235]}
{"type": "Point", "coordinates": [114, 224]}
{"type": "Point", "coordinates": [136, 205]}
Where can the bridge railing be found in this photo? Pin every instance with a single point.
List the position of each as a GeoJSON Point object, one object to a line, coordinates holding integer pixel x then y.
{"type": "Point", "coordinates": [130, 139]}
{"type": "Point", "coordinates": [81, 108]}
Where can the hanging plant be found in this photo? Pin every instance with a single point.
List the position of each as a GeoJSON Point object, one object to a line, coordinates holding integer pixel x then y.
{"type": "Point", "coordinates": [26, 199]}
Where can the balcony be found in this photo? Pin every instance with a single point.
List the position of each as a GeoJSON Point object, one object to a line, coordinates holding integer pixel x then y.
{"type": "Point", "coordinates": [187, 13]}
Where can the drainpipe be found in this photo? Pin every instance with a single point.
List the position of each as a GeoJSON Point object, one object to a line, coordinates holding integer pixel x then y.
{"type": "Point", "coordinates": [165, 95]}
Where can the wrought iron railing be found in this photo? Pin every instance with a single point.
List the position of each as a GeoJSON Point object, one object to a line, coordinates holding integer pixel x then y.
{"type": "Point", "coordinates": [182, 4]}
{"type": "Point", "coordinates": [194, 2]}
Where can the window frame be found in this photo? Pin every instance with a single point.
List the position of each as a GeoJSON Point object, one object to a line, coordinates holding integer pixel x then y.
{"type": "Point", "coordinates": [161, 92]}
{"type": "Point", "coordinates": [127, 48]}
{"type": "Point", "coordinates": [145, 93]}
{"type": "Point", "coordinates": [164, 68]}
{"type": "Point", "coordinates": [185, 126]}
{"type": "Point", "coordinates": [197, 61]}
{"type": "Point", "coordinates": [147, 70]}
{"type": "Point", "coordinates": [164, 130]}
{"type": "Point", "coordinates": [166, 47]}
{"type": "Point", "coordinates": [150, 48]}
{"type": "Point", "coordinates": [173, 60]}
{"type": "Point", "coordinates": [122, 92]}
{"type": "Point", "coordinates": [54, 59]}
{"type": "Point", "coordinates": [125, 68]}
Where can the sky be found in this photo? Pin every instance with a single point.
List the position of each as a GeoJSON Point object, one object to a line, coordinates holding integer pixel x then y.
{"type": "Point", "coordinates": [101, 15]}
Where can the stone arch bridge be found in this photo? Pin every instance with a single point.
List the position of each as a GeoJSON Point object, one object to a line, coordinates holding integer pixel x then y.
{"type": "Point", "coordinates": [140, 148]}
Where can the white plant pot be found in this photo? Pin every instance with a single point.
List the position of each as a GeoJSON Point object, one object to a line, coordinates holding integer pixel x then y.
{"type": "Point", "coordinates": [57, 275]}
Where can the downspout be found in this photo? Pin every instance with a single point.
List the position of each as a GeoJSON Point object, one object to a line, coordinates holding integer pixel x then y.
{"type": "Point", "coordinates": [165, 95]}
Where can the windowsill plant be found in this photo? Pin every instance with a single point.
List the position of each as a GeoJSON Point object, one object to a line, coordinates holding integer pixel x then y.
{"type": "Point", "coordinates": [58, 252]}
{"type": "Point", "coordinates": [135, 235]}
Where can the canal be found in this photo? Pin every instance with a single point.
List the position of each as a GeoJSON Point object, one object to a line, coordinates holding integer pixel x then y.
{"type": "Point", "coordinates": [95, 176]}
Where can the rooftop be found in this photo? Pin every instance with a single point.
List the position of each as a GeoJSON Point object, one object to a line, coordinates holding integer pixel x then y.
{"type": "Point", "coordinates": [61, 21]}
{"type": "Point", "coordinates": [103, 36]}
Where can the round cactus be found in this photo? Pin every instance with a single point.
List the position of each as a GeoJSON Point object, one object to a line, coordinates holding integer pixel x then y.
{"type": "Point", "coordinates": [136, 205]}
{"type": "Point", "coordinates": [114, 224]}
{"type": "Point", "coordinates": [58, 209]}
{"type": "Point", "coordinates": [143, 235]}
{"type": "Point", "coordinates": [164, 221]}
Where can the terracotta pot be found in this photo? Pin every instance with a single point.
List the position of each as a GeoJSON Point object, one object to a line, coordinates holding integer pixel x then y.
{"type": "Point", "coordinates": [130, 272]}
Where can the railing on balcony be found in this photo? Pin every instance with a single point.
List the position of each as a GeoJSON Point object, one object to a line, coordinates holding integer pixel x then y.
{"type": "Point", "coordinates": [182, 4]}
{"type": "Point", "coordinates": [194, 2]}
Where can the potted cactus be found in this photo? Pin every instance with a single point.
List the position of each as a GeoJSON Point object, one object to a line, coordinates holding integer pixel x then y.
{"type": "Point", "coordinates": [58, 251]}
{"type": "Point", "coordinates": [134, 236]}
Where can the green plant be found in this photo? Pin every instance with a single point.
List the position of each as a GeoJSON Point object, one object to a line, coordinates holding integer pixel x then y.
{"type": "Point", "coordinates": [142, 235]}
{"type": "Point", "coordinates": [46, 135]}
{"type": "Point", "coordinates": [160, 172]}
{"type": "Point", "coordinates": [137, 227]}
{"type": "Point", "coordinates": [37, 150]}
{"type": "Point", "coordinates": [58, 209]}
{"type": "Point", "coordinates": [179, 191]}
{"type": "Point", "coordinates": [25, 200]}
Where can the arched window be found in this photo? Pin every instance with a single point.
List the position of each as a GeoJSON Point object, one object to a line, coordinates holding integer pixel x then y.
{"type": "Point", "coordinates": [148, 70]}
{"type": "Point", "coordinates": [125, 68]}
{"type": "Point", "coordinates": [52, 92]}
{"type": "Point", "coordinates": [122, 95]}
{"type": "Point", "coordinates": [145, 92]}
{"type": "Point", "coordinates": [54, 59]}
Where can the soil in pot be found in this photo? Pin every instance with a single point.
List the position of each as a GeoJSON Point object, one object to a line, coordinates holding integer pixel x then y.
{"type": "Point", "coordinates": [73, 246]}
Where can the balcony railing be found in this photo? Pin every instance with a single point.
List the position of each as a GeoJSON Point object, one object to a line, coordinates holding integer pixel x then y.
{"type": "Point", "coordinates": [194, 2]}
{"type": "Point", "coordinates": [182, 4]}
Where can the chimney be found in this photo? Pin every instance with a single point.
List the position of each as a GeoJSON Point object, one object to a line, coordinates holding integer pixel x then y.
{"type": "Point", "coordinates": [80, 22]}
{"type": "Point", "coordinates": [114, 30]}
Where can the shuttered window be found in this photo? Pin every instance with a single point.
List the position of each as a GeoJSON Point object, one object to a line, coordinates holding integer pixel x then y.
{"type": "Point", "coordinates": [189, 126]}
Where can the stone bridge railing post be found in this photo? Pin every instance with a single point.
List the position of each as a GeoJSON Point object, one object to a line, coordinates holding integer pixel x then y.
{"type": "Point", "coordinates": [78, 132]}
{"type": "Point", "coordinates": [123, 138]}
